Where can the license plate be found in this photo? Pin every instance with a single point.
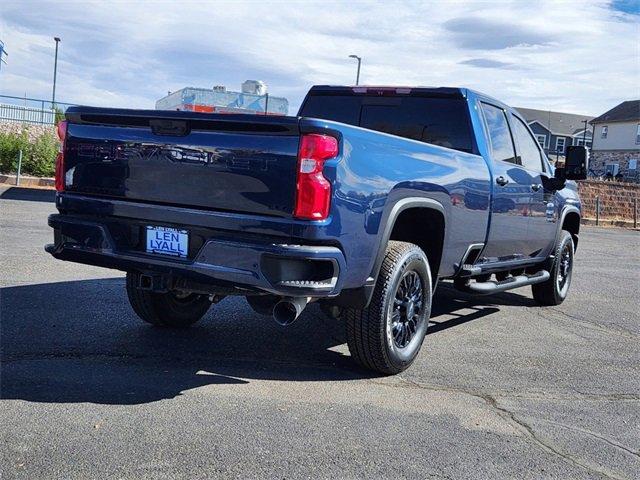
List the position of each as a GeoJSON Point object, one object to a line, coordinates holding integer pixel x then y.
{"type": "Point", "coordinates": [167, 241]}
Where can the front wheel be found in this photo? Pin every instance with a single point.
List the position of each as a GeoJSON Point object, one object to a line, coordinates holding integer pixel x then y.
{"type": "Point", "coordinates": [554, 290]}
{"type": "Point", "coordinates": [387, 335]}
{"type": "Point", "coordinates": [167, 309]}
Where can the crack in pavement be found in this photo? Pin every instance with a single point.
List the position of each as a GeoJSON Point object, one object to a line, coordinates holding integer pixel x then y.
{"type": "Point", "coordinates": [548, 314]}
{"type": "Point", "coordinates": [520, 425]}
{"type": "Point", "coordinates": [595, 435]}
{"type": "Point", "coordinates": [580, 396]}
{"type": "Point", "coordinates": [633, 397]}
{"type": "Point", "coordinates": [548, 446]}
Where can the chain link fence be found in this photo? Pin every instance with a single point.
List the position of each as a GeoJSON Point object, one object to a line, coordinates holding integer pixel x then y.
{"type": "Point", "coordinates": [30, 110]}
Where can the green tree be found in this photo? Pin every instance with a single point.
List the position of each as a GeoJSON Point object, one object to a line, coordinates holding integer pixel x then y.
{"type": "Point", "coordinates": [59, 115]}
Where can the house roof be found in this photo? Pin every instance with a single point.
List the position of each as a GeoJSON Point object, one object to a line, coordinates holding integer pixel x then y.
{"type": "Point", "coordinates": [558, 123]}
{"type": "Point", "coordinates": [625, 112]}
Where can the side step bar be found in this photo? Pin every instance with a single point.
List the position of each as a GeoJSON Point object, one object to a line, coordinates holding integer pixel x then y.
{"type": "Point", "coordinates": [494, 286]}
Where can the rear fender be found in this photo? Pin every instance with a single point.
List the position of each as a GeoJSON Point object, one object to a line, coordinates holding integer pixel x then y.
{"type": "Point", "coordinates": [360, 297]}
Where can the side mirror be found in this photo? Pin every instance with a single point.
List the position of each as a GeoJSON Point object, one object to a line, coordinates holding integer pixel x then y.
{"type": "Point", "coordinates": [576, 164]}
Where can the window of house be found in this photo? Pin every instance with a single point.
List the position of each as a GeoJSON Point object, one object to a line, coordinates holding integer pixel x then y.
{"type": "Point", "coordinates": [530, 156]}
{"type": "Point", "coordinates": [638, 135]}
{"type": "Point", "coordinates": [579, 141]}
{"type": "Point", "coordinates": [501, 143]}
{"type": "Point", "coordinates": [560, 142]}
{"type": "Point", "coordinates": [542, 140]}
{"type": "Point", "coordinates": [611, 169]}
{"type": "Point", "coordinates": [605, 130]}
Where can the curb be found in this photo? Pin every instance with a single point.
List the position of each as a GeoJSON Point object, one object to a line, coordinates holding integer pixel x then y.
{"type": "Point", "coordinates": [26, 181]}
{"type": "Point", "coordinates": [603, 222]}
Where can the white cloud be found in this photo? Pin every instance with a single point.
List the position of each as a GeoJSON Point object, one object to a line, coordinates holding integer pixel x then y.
{"type": "Point", "coordinates": [572, 56]}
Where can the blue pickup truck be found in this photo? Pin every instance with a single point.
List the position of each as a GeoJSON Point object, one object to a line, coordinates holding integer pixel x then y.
{"type": "Point", "coordinates": [362, 202]}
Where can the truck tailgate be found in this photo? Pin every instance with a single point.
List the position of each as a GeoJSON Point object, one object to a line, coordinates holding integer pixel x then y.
{"type": "Point", "coordinates": [236, 163]}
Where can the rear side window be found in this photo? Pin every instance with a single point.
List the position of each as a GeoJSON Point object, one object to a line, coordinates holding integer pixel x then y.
{"type": "Point", "coordinates": [499, 134]}
{"type": "Point", "coordinates": [530, 156]}
{"type": "Point", "coordinates": [440, 121]}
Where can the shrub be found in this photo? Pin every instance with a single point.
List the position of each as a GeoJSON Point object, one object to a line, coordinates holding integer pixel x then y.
{"type": "Point", "coordinates": [42, 157]}
{"type": "Point", "coordinates": [38, 154]}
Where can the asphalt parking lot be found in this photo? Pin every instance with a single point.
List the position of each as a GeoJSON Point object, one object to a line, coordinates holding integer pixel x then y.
{"type": "Point", "coordinates": [502, 388]}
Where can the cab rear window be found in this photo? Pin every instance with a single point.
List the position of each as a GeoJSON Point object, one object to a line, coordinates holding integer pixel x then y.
{"type": "Point", "coordinates": [440, 121]}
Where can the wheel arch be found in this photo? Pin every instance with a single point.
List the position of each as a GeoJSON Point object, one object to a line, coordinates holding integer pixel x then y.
{"type": "Point", "coordinates": [570, 221]}
{"type": "Point", "coordinates": [429, 210]}
{"type": "Point", "coordinates": [423, 226]}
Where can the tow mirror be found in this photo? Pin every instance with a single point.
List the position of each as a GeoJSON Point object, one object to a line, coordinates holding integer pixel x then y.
{"type": "Point", "coordinates": [576, 164]}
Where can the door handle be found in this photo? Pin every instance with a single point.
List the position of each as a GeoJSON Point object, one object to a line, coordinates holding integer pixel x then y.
{"type": "Point", "coordinates": [536, 186]}
{"type": "Point", "coordinates": [501, 181]}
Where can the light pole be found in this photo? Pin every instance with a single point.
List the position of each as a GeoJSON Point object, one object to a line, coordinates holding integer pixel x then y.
{"type": "Point", "coordinates": [55, 73]}
{"type": "Point", "coordinates": [358, 74]}
{"type": "Point", "coordinates": [2, 53]}
{"type": "Point", "coordinates": [584, 134]}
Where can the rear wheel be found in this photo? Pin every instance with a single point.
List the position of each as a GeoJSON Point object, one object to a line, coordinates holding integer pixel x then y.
{"type": "Point", "coordinates": [554, 290]}
{"type": "Point", "coordinates": [168, 309]}
{"type": "Point", "coordinates": [387, 335]}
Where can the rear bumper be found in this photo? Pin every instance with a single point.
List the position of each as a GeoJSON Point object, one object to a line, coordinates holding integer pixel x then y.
{"type": "Point", "coordinates": [246, 266]}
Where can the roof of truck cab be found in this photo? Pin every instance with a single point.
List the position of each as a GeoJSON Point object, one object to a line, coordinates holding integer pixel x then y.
{"type": "Point", "coordinates": [453, 92]}
{"type": "Point", "coordinates": [405, 89]}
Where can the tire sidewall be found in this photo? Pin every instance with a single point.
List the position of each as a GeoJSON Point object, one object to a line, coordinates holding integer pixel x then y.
{"type": "Point", "coordinates": [414, 260]}
{"type": "Point", "coordinates": [564, 240]}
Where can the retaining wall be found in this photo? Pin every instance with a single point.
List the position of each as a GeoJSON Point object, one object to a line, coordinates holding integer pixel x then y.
{"type": "Point", "coordinates": [616, 199]}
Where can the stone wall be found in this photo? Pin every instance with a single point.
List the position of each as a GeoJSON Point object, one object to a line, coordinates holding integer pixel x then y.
{"type": "Point", "coordinates": [616, 199]}
{"type": "Point", "coordinates": [598, 160]}
{"type": "Point", "coordinates": [33, 131]}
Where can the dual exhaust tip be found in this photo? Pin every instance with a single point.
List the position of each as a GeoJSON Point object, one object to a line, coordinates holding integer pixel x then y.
{"type": "Point", "coordinates": [287, 310]}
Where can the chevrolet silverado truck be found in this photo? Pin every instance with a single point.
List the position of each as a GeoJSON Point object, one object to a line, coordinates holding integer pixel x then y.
{"type": "Point", "coordinates": [362, 202]}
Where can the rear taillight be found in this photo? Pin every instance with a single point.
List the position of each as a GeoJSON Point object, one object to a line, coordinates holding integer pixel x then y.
{"type": "Point", "coordinates": [313, 191]}
{"type": "Point", "coordinates": [62, 135]}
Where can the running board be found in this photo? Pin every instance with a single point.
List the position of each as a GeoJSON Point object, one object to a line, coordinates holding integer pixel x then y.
{"type": "Point", "coordinates": [494, 286]}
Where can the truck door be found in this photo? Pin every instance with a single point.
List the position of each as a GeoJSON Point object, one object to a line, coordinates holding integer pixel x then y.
{"type": "Point", "coordinates": [543, 215]}
{"type": "Point", "coordinates": [507, 237]}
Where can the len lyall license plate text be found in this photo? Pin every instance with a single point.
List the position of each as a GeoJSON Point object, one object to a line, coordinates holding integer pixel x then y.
{"type": "Point", "coordinates": [167, 241]}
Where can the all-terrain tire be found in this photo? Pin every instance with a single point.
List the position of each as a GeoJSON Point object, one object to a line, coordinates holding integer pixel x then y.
{"type": "Point", "coordinates": [168, 309]}
{"type": "Point", "coordinates": [373, 333]}
{"type": "Point", "coordinates": [554, 290]}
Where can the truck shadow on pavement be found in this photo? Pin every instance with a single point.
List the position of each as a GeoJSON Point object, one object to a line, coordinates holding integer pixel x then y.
{"type": "Point", "coordinates": [80, 341]}
{"type": "Point", "coordinates": [28, 194]}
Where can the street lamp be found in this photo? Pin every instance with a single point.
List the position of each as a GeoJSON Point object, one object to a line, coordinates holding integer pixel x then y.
{"type": "Point", "coordinates": [358, 74]}
{"type": "Point", "coordinates": [55, 72]}
{"type": "Point", "coordinates": [2, 53]}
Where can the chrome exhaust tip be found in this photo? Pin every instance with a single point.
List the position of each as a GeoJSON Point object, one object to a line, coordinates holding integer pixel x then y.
{"type": "Point", "coordinates": [287, 310]}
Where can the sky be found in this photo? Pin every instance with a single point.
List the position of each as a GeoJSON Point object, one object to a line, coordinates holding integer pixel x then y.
{"type": "Point", "coordinates": [573, 56]}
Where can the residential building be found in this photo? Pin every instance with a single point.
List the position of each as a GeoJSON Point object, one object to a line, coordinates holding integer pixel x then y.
{"type": "Point", "coordinates": [555, 131]}
{"type": "Point", "coordinates": [616, 142]}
